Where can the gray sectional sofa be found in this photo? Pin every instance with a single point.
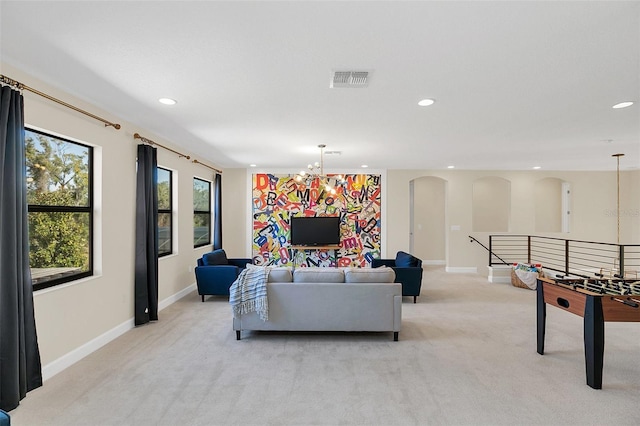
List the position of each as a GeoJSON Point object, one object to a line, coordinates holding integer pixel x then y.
{"type": "Point", "coordinates": [329, 299]}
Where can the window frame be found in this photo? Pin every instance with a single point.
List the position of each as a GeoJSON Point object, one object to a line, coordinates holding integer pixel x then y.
{"type": "Point", "coordinates": [168, 211]}
{"type": "Point", "coordinates": [88, 209]}
{"type": "Point", "coordinates": [203, 212]}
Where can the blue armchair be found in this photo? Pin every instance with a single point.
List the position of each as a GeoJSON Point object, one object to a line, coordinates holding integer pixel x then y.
{"type": "Point", "coordinates": [408, 271]}
{"type": "Point", "coordinates": [5, 420]}
{"type": "Point", "coordinates": [215, 273]}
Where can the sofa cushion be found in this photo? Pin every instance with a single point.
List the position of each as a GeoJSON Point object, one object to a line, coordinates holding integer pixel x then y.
{"type": "Point", "coordinates": [280, 275]}
{"type": "Point", "coordinates": [369, 275]}
{"type": "Point", "coordinates": [405, 260]}
{"type": "Point", "coordinates": [318, 275]}
{"type": "Point", "coordinates": [216, 257]}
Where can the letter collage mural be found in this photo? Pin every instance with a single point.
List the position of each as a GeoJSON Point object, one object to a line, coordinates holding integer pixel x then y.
{"type": "Point", "coordinates": [276, 198]}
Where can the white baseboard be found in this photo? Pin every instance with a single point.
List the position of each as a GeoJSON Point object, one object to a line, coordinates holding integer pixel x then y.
{"type": "Point", "coordinates": [179, 295]}
{"type": "Point", "coordinates": [434, 262]}
{"type": "Point", "coordinates": [462, 269]}
{"type": "Point", "coordinates": [70, 358]}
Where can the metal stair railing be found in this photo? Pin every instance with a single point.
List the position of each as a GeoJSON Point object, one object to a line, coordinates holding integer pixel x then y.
{"type": "Point", "coordinates": [568, 257]}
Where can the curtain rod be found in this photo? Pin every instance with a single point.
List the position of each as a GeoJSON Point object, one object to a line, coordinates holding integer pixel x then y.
{"type": "Point", "coordinates": [206, 165]}
{"type": "Point", "coordinates": [150, 142]}
{"type": "Point", "coordinates": [20, 86]}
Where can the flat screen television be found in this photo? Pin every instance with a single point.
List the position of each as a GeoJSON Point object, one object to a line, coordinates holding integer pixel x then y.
{"type": "Point", "coordinates": [315, 231]}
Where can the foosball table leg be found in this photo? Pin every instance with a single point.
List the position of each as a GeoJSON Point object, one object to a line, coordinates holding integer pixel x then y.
{"type": "Point", "coordinates": [541, 317]}
{"type": "Point", "coordinates": [594, 341]}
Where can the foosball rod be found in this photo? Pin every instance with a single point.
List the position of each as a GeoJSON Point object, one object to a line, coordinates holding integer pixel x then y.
{"type": "Point", "coordinates": [633, 287]}
{"type": "Point", "coordinates": [584, 283]}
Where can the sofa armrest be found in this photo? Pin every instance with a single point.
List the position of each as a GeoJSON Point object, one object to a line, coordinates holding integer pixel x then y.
{"type": "Point", "coordinates": [219, 274]}
{"type": "Point", "coordinates": [240, 263]}
{"type": "Point", "coordinates": [408, 275]}
{"type": "Point", "coordinates": [376, 263]}
{"type": "Point", "coordinates": [411, 279]}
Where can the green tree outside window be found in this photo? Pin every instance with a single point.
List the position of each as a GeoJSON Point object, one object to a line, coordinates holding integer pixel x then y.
{"type": "Point", "coordinates": [59, 201]}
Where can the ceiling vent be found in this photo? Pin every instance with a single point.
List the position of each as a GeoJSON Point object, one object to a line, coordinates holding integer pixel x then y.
{"type": "Point", "coordinates": [349, 79]}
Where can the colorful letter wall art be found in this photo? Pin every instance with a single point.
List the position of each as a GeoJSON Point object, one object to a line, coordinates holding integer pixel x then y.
{"type": "Point", "coordinates": [276, 198]}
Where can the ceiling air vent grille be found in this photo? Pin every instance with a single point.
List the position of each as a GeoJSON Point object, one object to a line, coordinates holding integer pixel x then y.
{"type": "Point", "coordinates": [349, 79]}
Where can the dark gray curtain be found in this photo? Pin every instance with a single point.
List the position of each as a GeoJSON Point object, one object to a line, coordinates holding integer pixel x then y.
{"type": "Point", "coordinates": [146, 275]}
{"type": "Point", "coordinates": [20, 368]}
{"type": "Point", "coordinates": [217, 213]}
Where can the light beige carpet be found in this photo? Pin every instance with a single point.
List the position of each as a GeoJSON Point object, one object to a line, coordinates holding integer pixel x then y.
{"type": "Point", "coordinates": [466, 356]}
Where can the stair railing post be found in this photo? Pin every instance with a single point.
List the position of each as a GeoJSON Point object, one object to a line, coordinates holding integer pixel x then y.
{"type": "Point", "coordinates": [566, 257]}
{"type": "Point", "coordinates": [490, 249]}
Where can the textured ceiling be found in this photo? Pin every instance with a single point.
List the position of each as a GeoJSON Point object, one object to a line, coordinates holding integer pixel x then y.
{"type": "Point", "coordinates": [516, 84]}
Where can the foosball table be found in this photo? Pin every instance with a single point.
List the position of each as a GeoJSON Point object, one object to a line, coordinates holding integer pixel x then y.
{"type": "Point", "coordinates": [596, 300]}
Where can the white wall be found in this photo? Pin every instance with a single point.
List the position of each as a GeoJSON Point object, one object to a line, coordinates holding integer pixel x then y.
{"type": "Point", "coordinates": [491, 205]}
{"type": "Point", "coordinates": [429, 220]}
{"type": "Point", "coordinates": [548, 194]}
{"type": "Point", "coordinates": [75, 318]}
{"type": "Point", "coordinates": [236, 199]}
{"type": "Point", "coordinates": [593, 201]}
{"type": "Point", "coordinates": [630, 207]}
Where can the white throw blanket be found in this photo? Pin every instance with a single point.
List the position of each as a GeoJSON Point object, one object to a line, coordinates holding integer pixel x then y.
{"type": "Point", "coordinates": [248, 293]}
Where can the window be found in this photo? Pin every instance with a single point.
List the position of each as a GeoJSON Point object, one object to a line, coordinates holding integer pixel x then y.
{"type": "Point", "coordinates": [165, 210]}
{"type": "Point", "coordinates": [60, 208]}
{"type": "Point", "coordinates": [201, 212]}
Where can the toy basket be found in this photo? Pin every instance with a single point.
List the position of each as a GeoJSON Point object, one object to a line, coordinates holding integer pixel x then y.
{"type": "Point", "coordinates": [525, 276]}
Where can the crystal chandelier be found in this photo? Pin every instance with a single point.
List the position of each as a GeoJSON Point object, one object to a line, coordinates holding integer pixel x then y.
{"type": "Point", "coordinates": [316, 171]}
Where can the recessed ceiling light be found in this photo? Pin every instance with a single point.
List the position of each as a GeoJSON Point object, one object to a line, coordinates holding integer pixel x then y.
{"type": "Point", "coordinates": [252, 165]}
{"type": "Point", "coordinates": [451, 167]}
{"type": "Point", "coordinates": [536, 167]}
{"type": "Point", "coordinates": [426, 102]}
{"type": "Point", "coordinates": [167, 101]}
{"type": "Point", "coordinates": [622, 105]}
{"type": "Point", "coordinates": [364, 166]}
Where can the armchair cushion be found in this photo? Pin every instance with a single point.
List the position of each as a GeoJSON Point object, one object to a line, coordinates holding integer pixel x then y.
{"type": "Point", "coordinates": [216, 257]}
{"type": "Point", "coordinates": [407, 260]}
